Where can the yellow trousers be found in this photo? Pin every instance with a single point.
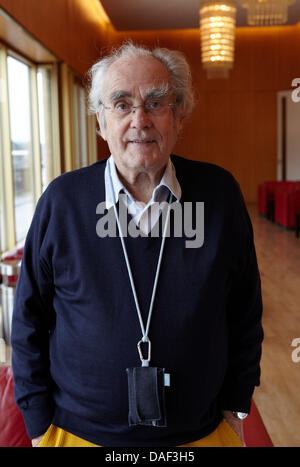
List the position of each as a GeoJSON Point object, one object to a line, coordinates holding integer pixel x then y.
{"type": "Point", "coordinates": [223, 436]}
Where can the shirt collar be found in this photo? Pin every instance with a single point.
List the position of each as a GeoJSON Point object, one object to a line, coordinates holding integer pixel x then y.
{"type": "Point", "coordinates": [168, 180]}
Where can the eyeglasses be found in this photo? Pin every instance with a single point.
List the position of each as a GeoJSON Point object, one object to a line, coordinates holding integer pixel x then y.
{"type": "Point", "coordinates": [154, 107]}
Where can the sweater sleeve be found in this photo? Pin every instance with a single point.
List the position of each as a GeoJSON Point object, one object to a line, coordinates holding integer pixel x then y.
{"type": "Point", "coordinates": [244, 311]}
{"type": "Point", "coordinates": [33, 318]}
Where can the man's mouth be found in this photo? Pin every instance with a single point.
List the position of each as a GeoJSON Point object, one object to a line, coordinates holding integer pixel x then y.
{"type": "Point", "coordinates": [142, 141]}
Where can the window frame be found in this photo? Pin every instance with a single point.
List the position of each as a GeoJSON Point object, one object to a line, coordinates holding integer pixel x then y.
{"type": "Point", "coordinates": [7, 188]}
{"type": "Point", "coordinates": [7, 182]}
{"type": "Point", "coordinates": [71, 118]}
{"type": "Point", "coordinates": [55, 121]}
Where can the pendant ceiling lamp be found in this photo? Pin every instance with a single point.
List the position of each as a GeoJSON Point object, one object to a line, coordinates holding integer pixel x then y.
{"type": "Point", "coordinates": [217, 25]}
{"type": "Point", "coordinates": [266, 12]}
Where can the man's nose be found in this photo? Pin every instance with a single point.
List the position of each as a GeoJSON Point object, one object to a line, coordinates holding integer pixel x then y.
{"type": "Point", "coordinates": [140, 118]}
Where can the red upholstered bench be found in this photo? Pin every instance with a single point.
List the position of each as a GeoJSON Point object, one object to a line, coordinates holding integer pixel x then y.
{"type": "Point", "coordinates": [274, 201]}
{"type": "Point", "coordinates": [12, 427]}
{"type": "Point", "coordinates": [286, 204]}
{"type": "Point", "coordinates": [265, 198]}
{"type": "Point", "coordinates": [255, 433]}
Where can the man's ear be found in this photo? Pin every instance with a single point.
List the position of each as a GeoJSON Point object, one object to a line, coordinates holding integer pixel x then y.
{"type": "Point", "coordinates": [179, 122]}
{"type": "Point", "coordinates": [101, 127]}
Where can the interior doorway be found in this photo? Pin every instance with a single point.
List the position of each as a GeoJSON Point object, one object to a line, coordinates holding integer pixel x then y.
{"type": "Point", "coordinates": [288, 133]}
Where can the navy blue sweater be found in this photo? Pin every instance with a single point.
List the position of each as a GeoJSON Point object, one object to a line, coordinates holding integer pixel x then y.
{"type": "Point", "coordinates": [75, 326]}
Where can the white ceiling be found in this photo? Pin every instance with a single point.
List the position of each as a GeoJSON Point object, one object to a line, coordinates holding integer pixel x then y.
{"type": "Point", "coordinates": [169, 14]}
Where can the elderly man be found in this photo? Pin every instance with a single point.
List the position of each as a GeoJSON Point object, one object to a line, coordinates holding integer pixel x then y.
{"type": "Point", "coordinates": [138, 340]}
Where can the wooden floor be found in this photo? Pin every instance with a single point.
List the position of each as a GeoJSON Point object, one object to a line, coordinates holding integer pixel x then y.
{"type": "Point", "coordinates": [278, 396]}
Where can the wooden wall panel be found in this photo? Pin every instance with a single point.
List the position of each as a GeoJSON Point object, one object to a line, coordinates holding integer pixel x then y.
{"type": "Point", "coordinates": [73, 30]}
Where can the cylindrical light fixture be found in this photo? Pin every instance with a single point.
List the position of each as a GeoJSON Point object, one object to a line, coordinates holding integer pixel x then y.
{"type": "Point", "coordinates": [217, 25]}
{"type": "Point", "coordinates": [266, 12]}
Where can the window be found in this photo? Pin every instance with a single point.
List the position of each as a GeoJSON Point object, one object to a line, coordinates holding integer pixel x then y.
{"type": "Point", "coordinates": [2, 196]}
{"type": "Point", "coordinates": [29, 142]}
{"type": "Point", "coordinates": [30, 135]}
{"type": "Point", "coordinates": [20, 112]}
{"type": "Point", "coordinates": [80, 124]}
{"type": "Point", "coordinates": [80, 144]}
{"type": "Point", "coordinates": [48, 124]}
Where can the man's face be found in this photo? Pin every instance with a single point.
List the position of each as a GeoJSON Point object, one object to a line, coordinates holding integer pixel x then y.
{"type": "Point", "coordinates": [139, 141]}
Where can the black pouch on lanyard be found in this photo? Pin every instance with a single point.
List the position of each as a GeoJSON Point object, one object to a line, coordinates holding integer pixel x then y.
{"type": "Point", "coordinates": [146, 389]}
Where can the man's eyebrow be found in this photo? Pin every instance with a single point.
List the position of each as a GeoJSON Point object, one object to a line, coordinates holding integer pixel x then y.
{"type": "Point", "coordinates": [152, 93]}
{"type": "Point", "coordinates": [114, 96]}
{"type": "Point", "coordinates": [157, 93]}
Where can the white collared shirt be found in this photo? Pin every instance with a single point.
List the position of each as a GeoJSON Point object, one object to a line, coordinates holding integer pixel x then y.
{"type": "Point", "coordinates": [144, 215]}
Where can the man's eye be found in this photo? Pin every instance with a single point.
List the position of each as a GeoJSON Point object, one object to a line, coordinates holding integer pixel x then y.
{"type": "Point", "coordinates": [152, 105]}
{"type": "Point", "coordinates": [122, 106]}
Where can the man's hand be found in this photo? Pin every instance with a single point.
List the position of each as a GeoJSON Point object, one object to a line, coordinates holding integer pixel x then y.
{"type": "Point", "coordinates": [36, 441]}
{"type": "Point", "coordinates": [235, 423]}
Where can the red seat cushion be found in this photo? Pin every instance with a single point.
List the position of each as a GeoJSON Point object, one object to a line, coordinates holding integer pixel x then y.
{"type": "Point", "coordinates": [255, 433]}
{"type": "Point", "coordinates": [12, 427]}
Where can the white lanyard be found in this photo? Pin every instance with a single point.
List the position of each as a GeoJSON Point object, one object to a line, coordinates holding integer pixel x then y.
{"type": "Point", "coordinates": [145, 338]}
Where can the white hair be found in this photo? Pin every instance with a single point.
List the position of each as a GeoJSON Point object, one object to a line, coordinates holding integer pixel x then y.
{"type": "Point", "coordinates": [174, 61]}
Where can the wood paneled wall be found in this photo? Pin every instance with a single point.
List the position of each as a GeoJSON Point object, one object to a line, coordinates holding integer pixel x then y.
{"type": "Point", "coordinates": [235, 121]}
{"type": "Point", "coordinates": [73, 30]}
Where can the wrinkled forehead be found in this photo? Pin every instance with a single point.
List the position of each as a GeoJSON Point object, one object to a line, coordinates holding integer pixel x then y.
{"type": "Point", "coordinates": [135, 77]}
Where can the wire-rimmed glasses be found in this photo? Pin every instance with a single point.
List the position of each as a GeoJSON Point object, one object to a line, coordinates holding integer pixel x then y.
{"type": "Point", "coordinates": [154, 107]}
